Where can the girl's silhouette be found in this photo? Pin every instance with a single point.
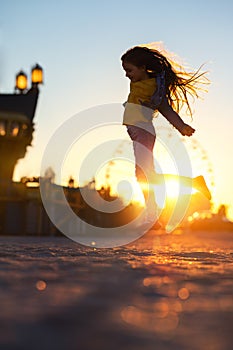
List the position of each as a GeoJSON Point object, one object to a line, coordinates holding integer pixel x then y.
{"type": "Point", "coordinates": [157, 85]}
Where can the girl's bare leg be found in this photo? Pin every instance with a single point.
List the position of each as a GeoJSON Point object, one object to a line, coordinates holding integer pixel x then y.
{"type": "Point", "coordinates": [198, 183]}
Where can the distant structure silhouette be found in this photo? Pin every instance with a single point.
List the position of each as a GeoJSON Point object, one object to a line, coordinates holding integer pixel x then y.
{"type": "Point", "coordinates": [17, 111]}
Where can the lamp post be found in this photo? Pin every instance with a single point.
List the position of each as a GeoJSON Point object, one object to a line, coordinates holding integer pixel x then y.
{"type": "Point", "coordinates": [37, 75]}
{"type": "Point", "coordinates": [21, 82]}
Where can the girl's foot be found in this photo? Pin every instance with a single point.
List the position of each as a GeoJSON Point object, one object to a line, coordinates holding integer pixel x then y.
{"type": "Point", "coordinates": [200, 185]}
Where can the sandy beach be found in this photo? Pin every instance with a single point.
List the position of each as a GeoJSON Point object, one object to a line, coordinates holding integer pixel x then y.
{"type": "Point", "coordinates": [163, 291]}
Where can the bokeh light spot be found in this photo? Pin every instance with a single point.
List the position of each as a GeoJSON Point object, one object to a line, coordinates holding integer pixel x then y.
{"type": "Point", "coordinates": [183, 293]}
{"type": "Point", "coordinates": [41, 285]}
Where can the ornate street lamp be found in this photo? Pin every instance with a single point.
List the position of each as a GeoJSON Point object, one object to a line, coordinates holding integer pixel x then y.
{"type": "Point", "coordinates": [37, 75]}
{"type": "Point", "coordinates": [21, 81]}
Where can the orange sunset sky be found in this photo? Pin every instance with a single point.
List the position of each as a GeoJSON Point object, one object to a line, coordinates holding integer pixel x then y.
{"type": "Point", "coordinates": [79, 45]}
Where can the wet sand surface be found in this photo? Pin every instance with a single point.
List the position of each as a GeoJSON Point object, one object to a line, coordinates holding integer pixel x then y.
{"type": "Point", "coordinates": [163, 291]}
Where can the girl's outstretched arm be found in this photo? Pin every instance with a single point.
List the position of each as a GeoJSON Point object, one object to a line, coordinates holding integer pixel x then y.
{"type": "Point", "coordinates": [166, 110]}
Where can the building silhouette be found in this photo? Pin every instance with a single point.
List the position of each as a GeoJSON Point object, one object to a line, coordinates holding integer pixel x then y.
{"type": "Point", "coordinates": [16, 130]}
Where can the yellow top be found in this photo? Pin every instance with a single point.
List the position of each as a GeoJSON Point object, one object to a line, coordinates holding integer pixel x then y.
{"type": "Point", "coordinates": [140, 92]}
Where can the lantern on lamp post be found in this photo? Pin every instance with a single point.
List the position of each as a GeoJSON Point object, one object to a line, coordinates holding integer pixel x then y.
{"type": "Point", "coordinates": [21, 82]}
{"type": "Point", "coordinates": [37, 75]}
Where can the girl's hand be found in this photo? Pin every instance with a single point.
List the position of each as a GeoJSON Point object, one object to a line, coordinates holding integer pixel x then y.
{"type": "Point", "coordinates": [187, 130]}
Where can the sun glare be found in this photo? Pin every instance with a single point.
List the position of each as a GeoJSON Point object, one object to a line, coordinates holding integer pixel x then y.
{"type": "Point", "coordinates": [130, 191]}
{"type": "Point", "coordinates": [172, 188]}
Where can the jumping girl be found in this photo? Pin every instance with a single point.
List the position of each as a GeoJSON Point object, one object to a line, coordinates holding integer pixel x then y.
{"type": "Point", "coordinates": [156, 85]}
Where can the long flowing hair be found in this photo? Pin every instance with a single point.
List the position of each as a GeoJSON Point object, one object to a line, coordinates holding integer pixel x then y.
{"type": "Point", "coordinates": [181, 85]}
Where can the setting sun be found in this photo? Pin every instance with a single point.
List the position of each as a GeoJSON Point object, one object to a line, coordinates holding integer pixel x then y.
{"type": "Point", "coordinates": [172, 188]}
